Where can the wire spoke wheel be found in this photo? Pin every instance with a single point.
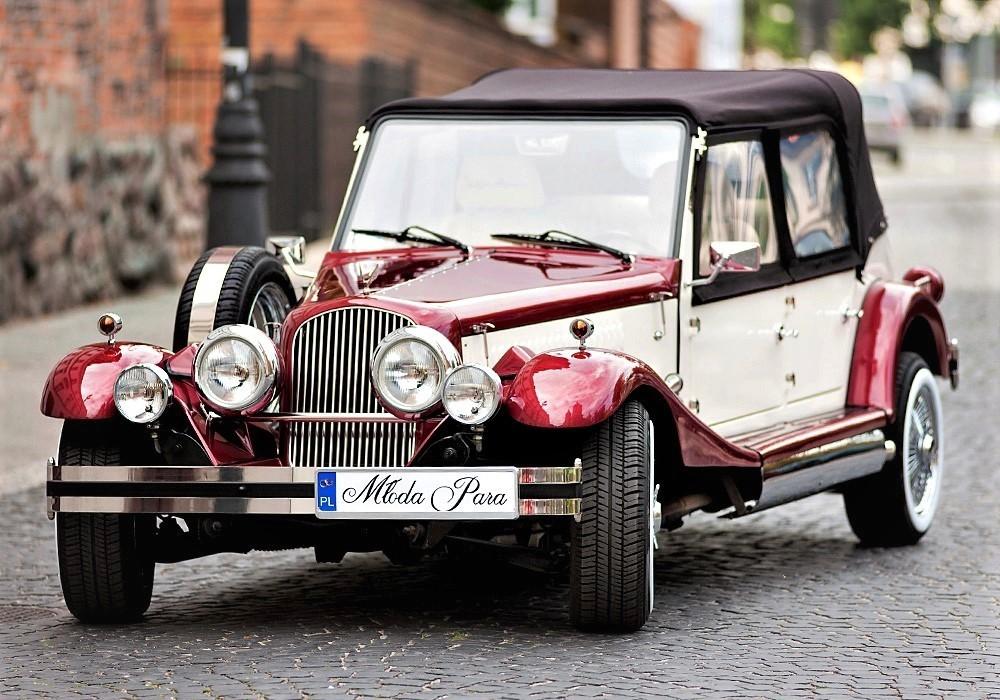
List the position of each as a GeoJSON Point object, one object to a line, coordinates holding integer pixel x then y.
{"type": "Point", "coordinates": [268, 310]}
{"type": "Point", "coordinates": [922, 448]}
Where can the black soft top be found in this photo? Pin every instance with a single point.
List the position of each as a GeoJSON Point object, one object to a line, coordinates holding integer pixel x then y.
{"type": "Point", "coordinates": [718, 101]}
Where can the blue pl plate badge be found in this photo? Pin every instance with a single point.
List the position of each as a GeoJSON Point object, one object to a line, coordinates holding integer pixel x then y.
{"type": "Point", "coordinates": [326, 491]}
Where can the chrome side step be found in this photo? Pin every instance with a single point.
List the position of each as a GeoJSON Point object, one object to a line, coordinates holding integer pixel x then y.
{"type": "Point", "coordinates": [821, 468]}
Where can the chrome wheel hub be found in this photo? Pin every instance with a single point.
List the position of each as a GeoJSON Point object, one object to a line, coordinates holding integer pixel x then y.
{"type": "Point", "coordinates": [921, 456]}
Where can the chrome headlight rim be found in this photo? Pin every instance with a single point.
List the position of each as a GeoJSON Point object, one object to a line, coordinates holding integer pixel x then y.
{"type": "Point", "coordinates": [161, 376]}
{"type": "Point", "coordinates": [497, 385]}
{"type": "Point", "coordinates": [267, 353]}
{"type": "Point", "coordinates": [445, 356]}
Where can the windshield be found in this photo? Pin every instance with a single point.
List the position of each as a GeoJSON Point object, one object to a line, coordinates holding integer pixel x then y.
{"type": "Point", "coordinates": [611, 181]}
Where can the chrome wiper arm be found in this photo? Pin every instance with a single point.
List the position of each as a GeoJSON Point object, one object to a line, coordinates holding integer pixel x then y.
{"type": "Point", "coordinates": [406, 234]}
{"type": "Point", "coordinates": [572, 239]}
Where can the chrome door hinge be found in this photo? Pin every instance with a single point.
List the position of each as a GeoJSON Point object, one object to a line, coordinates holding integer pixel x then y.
{"type": "Point", "coordinates": [700, 143]}
{"type": "Point", "coordinates": [361, 138]}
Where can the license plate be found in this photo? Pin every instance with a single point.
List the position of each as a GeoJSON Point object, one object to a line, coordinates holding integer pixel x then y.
{"type": "Point", "coordinates": [420, 493]}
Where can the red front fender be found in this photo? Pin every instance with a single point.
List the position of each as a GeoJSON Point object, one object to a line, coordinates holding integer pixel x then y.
{"type": "Point", "coordinates": [581, 388]}
{"type": "Point", "coordinates": [81, 385]}
{"type": "Point", "coordinates": [890, 309]}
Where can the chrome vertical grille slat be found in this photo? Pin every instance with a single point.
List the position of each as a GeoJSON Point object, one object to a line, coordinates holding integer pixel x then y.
{"type": "Point", "coordinates": [330, 371]}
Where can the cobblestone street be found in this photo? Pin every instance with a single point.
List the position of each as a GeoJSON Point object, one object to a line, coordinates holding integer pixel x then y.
{"type": "Point", "coordinates": [780, 604]}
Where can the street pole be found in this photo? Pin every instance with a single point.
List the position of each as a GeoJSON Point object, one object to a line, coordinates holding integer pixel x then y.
{"type": "Point", "coordinates": [237, 180]}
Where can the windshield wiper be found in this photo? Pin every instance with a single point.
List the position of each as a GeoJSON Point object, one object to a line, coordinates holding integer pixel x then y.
{"type": "Point", "coordinates": [407, 234]}
{"type": "Point", "coordinates": [572, 241]}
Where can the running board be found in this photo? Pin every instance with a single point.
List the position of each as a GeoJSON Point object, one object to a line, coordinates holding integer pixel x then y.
{"type": "Point", "coordinates": [817, 469]}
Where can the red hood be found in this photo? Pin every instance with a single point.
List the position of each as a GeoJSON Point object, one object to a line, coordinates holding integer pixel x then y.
{"type": "Point", "coordinates": [506, 287]}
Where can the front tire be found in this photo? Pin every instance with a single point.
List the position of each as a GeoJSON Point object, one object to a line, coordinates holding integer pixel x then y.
{"type": "Point", "coordinates": [896, 506]}
{"type": "Point", "coordinates": [105, 566]}
{"type": "Point", "coordinates": [611, 579]}
{"type": "Point", "coordinates": [255, 291]}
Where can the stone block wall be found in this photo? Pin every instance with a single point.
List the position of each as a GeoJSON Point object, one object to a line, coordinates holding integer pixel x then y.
{"type": "Point", "coordinates": [98, 194]}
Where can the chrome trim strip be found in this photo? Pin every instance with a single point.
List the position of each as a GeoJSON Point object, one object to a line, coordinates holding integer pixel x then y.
{"type": "Point", "coordinates": [323, 418]}
{"type": "Point", "coordinates": [259, 474]}
{"type": "Point", "coordinates": [821, 468]}
{"type": "Point", "coordinates": [206, 293]}
{"type": "Point", "coordinates": [550, 475]}
{"type": "Point", "coordinates": [550, 506]}
{"type": "Point", "coordinates": [184, 475]}
{"type": "Point", "coordinates": [184, 506]}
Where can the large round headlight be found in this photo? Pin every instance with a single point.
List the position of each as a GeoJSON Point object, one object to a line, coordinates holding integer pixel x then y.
{"type": "Point", "coordinates": [236, 369]}
{"type": "Point", "coordinates": [142, 393]}
{"type": "Point", "coordinates": [471, 394]}
{"type": "Point", "coordinates": [409, 367]}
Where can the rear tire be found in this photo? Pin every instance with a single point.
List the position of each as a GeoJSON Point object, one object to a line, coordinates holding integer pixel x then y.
{"type": "Point", "coordinates": [105, 562]}
{"type": "Point", "coordinates": [256, 291]}
{"type": "Point", "coordinates": [611, 575]}
{"type": "Point", "coordinates": [896, 506]}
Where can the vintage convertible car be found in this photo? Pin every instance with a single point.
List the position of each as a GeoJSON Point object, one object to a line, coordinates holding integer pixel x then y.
{"type": "Point", "coordinates": [562, 310]}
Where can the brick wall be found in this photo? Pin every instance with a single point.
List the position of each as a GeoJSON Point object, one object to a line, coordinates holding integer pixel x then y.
{"type": "Point", "coordinates": [95, 196]}
{"type": "Point", "coordinates": [672, 41]}
{"type": "Point", "coordinates": [450, 43]}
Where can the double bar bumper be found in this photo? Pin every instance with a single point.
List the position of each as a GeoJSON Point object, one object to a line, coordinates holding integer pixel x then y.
{"type": "Point", "coordinates": [257, 490]}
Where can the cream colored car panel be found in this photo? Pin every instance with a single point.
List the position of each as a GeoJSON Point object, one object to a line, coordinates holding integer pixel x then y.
{"type": "Point", "coordinates": [630, 330]}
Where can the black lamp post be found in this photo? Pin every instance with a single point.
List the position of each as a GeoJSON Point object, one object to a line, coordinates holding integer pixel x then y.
{"type": "Point", "coordinates": [237, 180]}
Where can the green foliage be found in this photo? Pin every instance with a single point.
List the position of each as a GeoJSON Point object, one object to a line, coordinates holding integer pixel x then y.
{"type": "Point", "coordinates": [859, 19]}
{"type": "Point", "coordinates": [762, 31]}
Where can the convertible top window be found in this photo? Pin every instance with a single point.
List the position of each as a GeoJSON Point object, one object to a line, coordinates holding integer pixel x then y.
{"type": "Point", "coordinates": [814, 193]}
{"type": "Point", "coordinates": [614, 182]}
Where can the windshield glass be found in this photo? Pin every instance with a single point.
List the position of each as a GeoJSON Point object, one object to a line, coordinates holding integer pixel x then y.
{"type": "Point", "coordinates": [611, 181]}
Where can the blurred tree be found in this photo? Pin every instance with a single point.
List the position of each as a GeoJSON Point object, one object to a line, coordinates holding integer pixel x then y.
{"type": "Point", "coordinates": [495, 6]}
{"type": "Point", "coordinates": [859, 19]}
{"type": "Point", "coordinates": [770, 24]}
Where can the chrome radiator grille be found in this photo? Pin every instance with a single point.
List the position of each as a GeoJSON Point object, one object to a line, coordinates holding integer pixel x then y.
{"type": "Point", "coordinates": [330, 374]}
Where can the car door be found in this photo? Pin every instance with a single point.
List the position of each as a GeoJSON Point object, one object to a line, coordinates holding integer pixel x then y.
{"type": "Point", "coordinates": [731, 357]}
{"type": "Point", "coordinates": [825, 294]}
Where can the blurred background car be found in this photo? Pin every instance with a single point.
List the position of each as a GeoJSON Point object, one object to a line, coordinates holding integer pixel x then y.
{"type": "Point", "coordinates": [926, 100]}
{"type": "Point", "coordinates": [886, 119]}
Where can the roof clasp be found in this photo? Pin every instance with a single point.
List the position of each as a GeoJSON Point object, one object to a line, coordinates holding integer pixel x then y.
{"type": "Point", "coordinates": [700, 143]}
{"type": "Point", "coordinates": [361, 138]}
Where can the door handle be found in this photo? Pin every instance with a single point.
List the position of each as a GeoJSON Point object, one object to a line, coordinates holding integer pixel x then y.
{"type": "Point", "coordinates": [783, 332]}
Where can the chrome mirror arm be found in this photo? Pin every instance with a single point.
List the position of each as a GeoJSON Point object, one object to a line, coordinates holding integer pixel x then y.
{"type": "Point", "coordinates": [716, 269]}
{"type": "Point", "coordinates": [294, 266]}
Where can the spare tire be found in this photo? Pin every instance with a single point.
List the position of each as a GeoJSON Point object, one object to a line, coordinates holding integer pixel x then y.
{"type": "Point", "coordinates": [232, 285]}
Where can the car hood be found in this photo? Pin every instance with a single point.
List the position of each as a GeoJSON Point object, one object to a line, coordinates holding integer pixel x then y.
{"type": "Point", "coordinates": [504, 286]}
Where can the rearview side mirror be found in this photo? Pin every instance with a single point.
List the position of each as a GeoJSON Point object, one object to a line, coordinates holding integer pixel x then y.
{"type": "Point", "coordinates": [730, 256]}
{"type": "Point", "coordinates": [291, 250]}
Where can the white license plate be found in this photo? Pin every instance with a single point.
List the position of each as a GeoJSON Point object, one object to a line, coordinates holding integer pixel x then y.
{"type": "Point", "coordinates": [420, 493]}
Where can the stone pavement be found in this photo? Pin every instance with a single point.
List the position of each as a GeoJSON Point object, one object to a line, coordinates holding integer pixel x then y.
{"type": "Point", "coordinates": [780, 604]}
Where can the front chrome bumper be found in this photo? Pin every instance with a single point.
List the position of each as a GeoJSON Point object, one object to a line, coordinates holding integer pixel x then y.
{"type": "Point", "coordinates": [256, 490]}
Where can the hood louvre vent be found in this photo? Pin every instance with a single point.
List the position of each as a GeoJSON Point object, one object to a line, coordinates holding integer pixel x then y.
{"type": "Point", "coordinates": [330, 373]}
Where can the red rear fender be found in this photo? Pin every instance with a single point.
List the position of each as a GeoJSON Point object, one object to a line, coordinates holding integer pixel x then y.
{"type": "Point", "coordinates": [895, 314]}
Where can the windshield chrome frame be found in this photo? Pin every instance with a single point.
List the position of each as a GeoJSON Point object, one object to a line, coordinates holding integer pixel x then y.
{"type": "Point", "coordinates": [364, 149]}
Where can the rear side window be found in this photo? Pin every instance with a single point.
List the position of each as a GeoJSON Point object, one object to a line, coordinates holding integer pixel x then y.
{"type": "Point", "coordinates": [814, 193]}
{"type": "Point", "coordinates": [737, 203]}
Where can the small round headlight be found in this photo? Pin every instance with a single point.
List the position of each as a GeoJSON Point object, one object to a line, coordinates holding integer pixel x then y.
{"type": "Point", "coordinates": [409, 368]}
{"type": "Point", "coordinates": [142, 393]}
{"type": "Point", "coordinates": [471, 394]}
{"type": "Point", "coordinates": [236, 369]}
